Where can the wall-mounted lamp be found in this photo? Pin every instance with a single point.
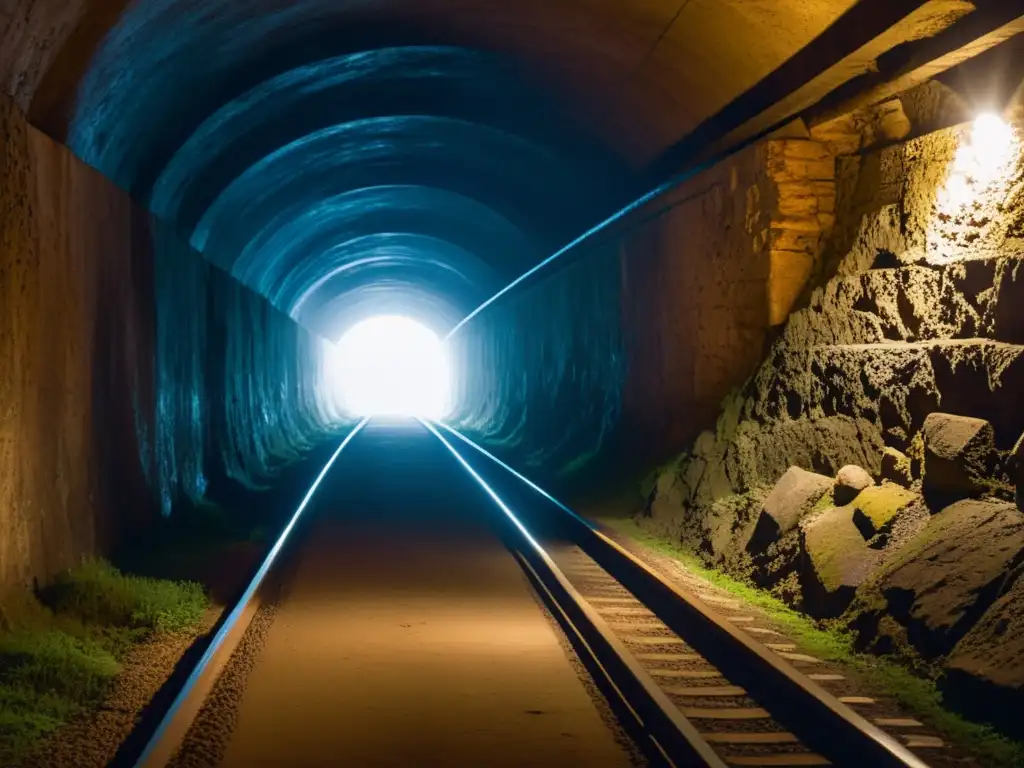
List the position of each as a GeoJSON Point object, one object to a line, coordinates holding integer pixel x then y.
{"type": "Point", "coordinates": [982, 169]}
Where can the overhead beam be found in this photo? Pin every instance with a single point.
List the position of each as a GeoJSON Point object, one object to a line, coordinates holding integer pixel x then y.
{"type": "Point", "coordinates": [847, 50]}
{"type": "Point", "coordinates": [917, 62]}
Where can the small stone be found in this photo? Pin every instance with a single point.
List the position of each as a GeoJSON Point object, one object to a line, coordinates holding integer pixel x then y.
{"type": "Point", "coordinates": [792, 497]}
{"type": "Point", "coordinates": [850, 481]}
{"type": "Point", "coordinates": [896, 467]}
{"type": "Point", "coordinates": [959, 454]}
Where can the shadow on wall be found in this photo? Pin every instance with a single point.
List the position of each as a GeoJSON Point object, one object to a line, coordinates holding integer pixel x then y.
{"type": "Point", "coordinates": [132, 371]}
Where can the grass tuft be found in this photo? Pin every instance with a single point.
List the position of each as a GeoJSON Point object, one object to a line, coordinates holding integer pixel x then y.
{"type": "Point", "coordinates": [97, 593]}
{"type": "Point", "coordinates": [918, 692]}
{"type": "Point", "coordinates": [60, 656]}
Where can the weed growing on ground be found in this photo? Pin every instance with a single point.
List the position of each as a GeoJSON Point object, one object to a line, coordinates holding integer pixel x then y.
{"type": "Point", "coordinates": [97, 593]}
{"type": "Point", "coordinates": [59, 655]}
{"type": "Point", "coordinates": [917, 691]}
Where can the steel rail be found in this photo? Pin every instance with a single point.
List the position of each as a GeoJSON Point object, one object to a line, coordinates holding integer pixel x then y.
{"type": "Point", "coordinates": [818, 718]}
{"type": "Point", "coordinates": [619, 674]}
{"type": "Point", "coordinates": [160, 746]}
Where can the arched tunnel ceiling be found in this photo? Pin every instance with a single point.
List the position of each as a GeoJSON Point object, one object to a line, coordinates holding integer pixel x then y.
{"type": "Point", "coordinates": [343, 156]}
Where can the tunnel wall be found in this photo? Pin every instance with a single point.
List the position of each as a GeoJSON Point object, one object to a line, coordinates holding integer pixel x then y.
{"type": "Point", "coordinates": [539, 375]}
{"type": "Point", "coordinates": [720, 262]}
{"type": "Point", "coordinates": [131, 371]}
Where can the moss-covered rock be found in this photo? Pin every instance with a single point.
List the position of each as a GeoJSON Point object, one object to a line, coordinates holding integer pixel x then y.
{"type": "Point", "coordinates": [985, 671]}
{"type": "Point", "coordinates": [896, 468]}
{"type": "Point", "coordinates": [959, 457]}
{"type": "Point", "coordinates": [937, 586]}
{"type": "Point", "coordinates": [793, 496]}
{"type": "Point", "coordinates": [836, 561]}
{"type": "Point", "coordinates": [876, 507]}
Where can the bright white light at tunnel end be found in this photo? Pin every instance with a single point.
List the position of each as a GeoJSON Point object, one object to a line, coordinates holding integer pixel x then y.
{"type": "Point", "coordinates": [391, 366]}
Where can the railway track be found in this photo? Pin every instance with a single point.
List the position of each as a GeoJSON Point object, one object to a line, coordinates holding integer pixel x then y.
{"type": "Point", "coordinates": [689, 686]}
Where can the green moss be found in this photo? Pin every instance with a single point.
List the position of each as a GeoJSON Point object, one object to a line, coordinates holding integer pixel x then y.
{"type": "Point", "coordinates": [916, 690]}
{"type": "Point", "coordinates": [824, 502]}
{"type": "Point", "coordinates": [60, 658]}
{"type": "Point", "coordinates": [881, 503]}
{"type": "Point", "coordinates": [98, 593]}
{"type": "Point", "coordinates": [832, 542]}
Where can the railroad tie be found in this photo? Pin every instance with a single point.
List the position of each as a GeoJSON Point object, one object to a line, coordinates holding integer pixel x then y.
{"type": "Point", "coordinates": [628, 627]}
{"type": "Point", "coordinates": [628, 600]}
{"type": "Point", "coordinates": [898, 722]}
{"type": "Point", "coordinates": [699, 691]}
{"type": "Point", "coordinates": [616, 610]}
{"type": "Point", "coordinates": [750, 737]}
{"type": "Point", "coordinates": [780, 760]}
{"type": "Point", "coordinates": [668, 657]}
{"type": "Point", "coordinates": [923, 742]}
{"type": "Point", "coordinates": [760, 631]}
{"type": "Point", "coordinates": [725, 713]}
{"type": "Point", "coordinates": [687, 674]}
{"type": "Point", "coordinates": [856, 700]}
{"type": "Point", "coordinates": [648, 640]}
{"type": "Point", "coordinates": [802, 657]}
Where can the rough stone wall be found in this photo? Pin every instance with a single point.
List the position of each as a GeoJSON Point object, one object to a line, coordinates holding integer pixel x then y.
{"type": "Point", "coordinates": [101, 403]}
{"type": "Point", "coordinates": [923, 314]}
{"type": "Point", "coordinates": [906, 361]}
{"type": "Point", "coordinates": [723, 260]}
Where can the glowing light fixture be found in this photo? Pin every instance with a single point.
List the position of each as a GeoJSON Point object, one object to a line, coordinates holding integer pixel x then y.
{"type": "Point", "coordinates": [969, 205]}
{"type": "Point", "coordinates": [983, 159]}
{"type": "Point", "coordinates": [391, 366]}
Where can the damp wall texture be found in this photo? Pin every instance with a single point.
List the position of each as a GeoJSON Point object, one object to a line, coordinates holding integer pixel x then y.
{"type": "Point", "coordinates": [132, 373]}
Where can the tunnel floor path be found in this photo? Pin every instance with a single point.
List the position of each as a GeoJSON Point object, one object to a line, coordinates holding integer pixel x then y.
{"type": "Point", "coordinates": [408, 635]}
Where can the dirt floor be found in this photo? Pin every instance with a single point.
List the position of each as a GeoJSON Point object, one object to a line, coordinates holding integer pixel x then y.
{"type": "Point", "coordinates": [406, 634]}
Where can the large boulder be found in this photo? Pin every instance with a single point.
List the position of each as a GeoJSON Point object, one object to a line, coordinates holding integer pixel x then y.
{"type": "Point", "coordinates": [836, 561]}
{"type": "Point", "coordinates": [985, 671]}
{"type": "Point", "coordinates": [942, 580]}
{"type": "Point", "coordinates": [959, 457]}
{"type": "Point", "coordinates": [850, 481]}
{"type": "Point", "coordinates": [876, 507]}
{"type": "Point", "coordinates": [896, 467]}
{"type": "Point", "coordinates": [793, 496]}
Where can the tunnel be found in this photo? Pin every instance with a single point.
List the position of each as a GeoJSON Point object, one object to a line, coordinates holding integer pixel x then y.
{"type": "Point", "coordinates": [735, 283]}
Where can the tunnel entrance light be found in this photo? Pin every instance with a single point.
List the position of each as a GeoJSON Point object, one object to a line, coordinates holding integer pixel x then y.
{"type": "Point", "coordinates": [391, 366]}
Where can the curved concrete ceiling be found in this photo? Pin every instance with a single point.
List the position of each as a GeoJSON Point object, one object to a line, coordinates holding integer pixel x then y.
{"type": "Point", "coordinates": [343, 156]}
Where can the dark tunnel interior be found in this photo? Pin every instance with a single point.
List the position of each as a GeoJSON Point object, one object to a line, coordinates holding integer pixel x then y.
{"type": "Point", "coordinates": [718, 295]}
